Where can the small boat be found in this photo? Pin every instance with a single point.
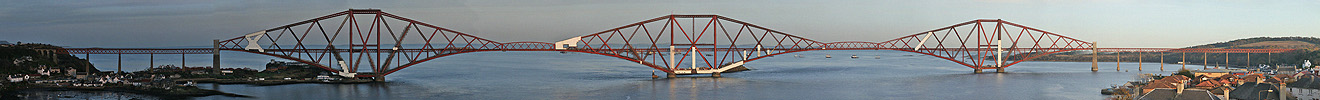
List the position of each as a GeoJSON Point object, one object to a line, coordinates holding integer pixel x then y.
{"type": "Point", "coordinates": [854, 56]}
{"type": "Point", "coordinates": [828, 56]}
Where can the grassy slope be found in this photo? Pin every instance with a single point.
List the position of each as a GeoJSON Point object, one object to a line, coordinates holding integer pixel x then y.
{"type": "Point", "coordinates": [1307, 49]}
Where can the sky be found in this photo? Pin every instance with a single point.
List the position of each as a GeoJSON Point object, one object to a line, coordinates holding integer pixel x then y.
{"type": "Point", "coordinates": [1112, 23]}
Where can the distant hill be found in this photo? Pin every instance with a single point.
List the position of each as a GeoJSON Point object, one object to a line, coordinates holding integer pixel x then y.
{"type": "Point", "coordinates": [25, 58]}
{"type": "Point", "coordinates": [1307, 50]}
{"type": "Point", "coordinates": [1309, 43]}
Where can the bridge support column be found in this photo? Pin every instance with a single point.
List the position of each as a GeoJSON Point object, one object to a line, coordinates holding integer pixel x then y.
{"type": "Point", "coordinates": [87, 66]}
{"type": "Point", "coordinates": [1140, 66]}
{"type": "Point", "coordinates": [716, 74]}
{"type": "Point", "coordinates": [670, 75]}
{"type": "Point", "coordinates": [1225, 61]}
{"type": "Point", "coordinates": [183, 60]}
{"type": "Point", "coordinates": [380, 78]}
{"type": "Point", "coordinates": [215, 56]}
{"type": "Point", "coordinates": [1184, 60]}
{"type": "Point", "coordinates": [1095, 58]}
{"type": "Point", "coordinates": [999, 69]}
{"type": "Point", "coordinates": [1118, 61]}
{"type": "Point", "coordinates": [976, 70]}
{"type": "Point", "coordinates": [119, 66]}
{"type": "Point", "coordinates": [1161, 61]}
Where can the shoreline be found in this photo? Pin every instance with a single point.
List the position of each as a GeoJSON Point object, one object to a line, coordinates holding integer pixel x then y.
{"type": "Point", "coordinates": [177, 93]}
{"type": "Point", "coordinates": [274, 82]}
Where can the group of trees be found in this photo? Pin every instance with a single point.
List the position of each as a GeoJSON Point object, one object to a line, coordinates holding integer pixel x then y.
{"type": "Point", "coordinates": [14, 59]}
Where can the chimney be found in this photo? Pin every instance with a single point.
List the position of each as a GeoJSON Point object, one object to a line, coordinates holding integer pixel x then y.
{"type": "Point", "coordinates": [1180, 87]}
{"type": "Point", "coordinates": [1226, 92]}
{"type": "Point", "coordinates": [1281, 92]}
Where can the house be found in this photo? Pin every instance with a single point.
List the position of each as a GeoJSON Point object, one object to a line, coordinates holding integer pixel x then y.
{"type": "Point", "coordinates": [1260, 91]}
{"type": "Point", "coordinates": [1228, 79]}
{"type": "Point", "coordinates": [325, 77]}
{"type": "Point", "coordinates": [1178, 76]}
{"type": "Point", "coordinates": [1207, 84]}
{"type": "Point", "coordinates": [1157, 84]}
{"type": "Point", "coordinates": [17, 78]}
{"type": "Point", "coordinates": [1200, 78]}
{"type": "Point", "coordinates": [1254, 78]}
{"type": "Point", "coordinates": [1179, 94]}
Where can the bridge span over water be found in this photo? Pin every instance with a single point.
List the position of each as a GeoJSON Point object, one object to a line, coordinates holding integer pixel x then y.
{"type": "Point", "coordinates": [373, 43]}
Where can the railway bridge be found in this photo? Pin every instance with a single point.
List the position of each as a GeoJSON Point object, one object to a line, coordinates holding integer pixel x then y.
{"type": "Point", "coordinates": [373, 43]}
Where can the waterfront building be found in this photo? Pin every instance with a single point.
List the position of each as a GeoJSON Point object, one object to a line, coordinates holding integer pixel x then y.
{"type": "Point", "coordinates": [18, 78]}
{"type": "Point", "coordinates": [325, 77]}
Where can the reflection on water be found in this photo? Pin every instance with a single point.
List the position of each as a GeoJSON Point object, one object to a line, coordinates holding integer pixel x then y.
{"type": "Point", "coordinates": [83, 95]}
{"type": "Point", "coordinates": [551, 75]}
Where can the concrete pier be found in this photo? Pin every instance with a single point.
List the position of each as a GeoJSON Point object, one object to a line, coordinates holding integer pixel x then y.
{"type": "Point", "coordinates": [1095, 58]}
{"type": "Point", "coordinates": [976, 71]}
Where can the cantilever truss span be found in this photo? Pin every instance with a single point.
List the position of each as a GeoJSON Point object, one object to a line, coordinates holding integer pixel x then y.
{"type": "Point", "coordinates": [688, 42]}
{"type": "Point", "coordinates": [366, 39]}
{"type": "Point", "coordinates": [975, 43]}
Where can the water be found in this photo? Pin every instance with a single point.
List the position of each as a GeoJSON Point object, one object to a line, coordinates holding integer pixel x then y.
{"type": "Point", "coordinates": [552, 75]}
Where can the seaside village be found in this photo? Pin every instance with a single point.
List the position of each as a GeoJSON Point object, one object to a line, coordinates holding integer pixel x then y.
{"type": "Point", "coordinates": [72, 77]}
{"type": "Point", "coordinates": [1265, 83]}
{"type": "Point", "coordinates": [166, 76]}
{"type": "Point", "coordinates": [36, 71]}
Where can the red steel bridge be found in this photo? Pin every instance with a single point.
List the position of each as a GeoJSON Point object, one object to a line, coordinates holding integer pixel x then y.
{"type": "Point", "coordinates": [373, 43]}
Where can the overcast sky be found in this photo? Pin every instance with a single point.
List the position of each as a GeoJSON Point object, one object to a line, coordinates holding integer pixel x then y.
{"type": "Point", "coordinates": [1113, 23]}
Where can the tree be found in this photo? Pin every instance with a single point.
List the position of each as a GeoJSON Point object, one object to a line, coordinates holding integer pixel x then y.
{"type": "Point", "coordinates": [1184, 72]}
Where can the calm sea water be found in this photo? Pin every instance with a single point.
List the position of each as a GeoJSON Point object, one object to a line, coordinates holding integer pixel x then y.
{"type": "Point", "coordinates": [554, 75]}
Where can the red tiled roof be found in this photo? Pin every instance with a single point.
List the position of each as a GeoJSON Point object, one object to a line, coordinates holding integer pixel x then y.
{"type": "Point", "coordinates": [1251, 77]}
{"type": "Point", "coordinates": [1227, 76]}
{"type": "Point", "coordinates": [1174, 79]}
{"type": "Point", "coordinates": [1208, 84]}
{"type": "Point", "coordinates": [1179, 77]}
{"type": "Point", "coordinates": [1157, 84]}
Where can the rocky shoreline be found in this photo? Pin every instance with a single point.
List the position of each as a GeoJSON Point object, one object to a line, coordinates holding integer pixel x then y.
{"type": "Point", "coordinates": [174, 93]}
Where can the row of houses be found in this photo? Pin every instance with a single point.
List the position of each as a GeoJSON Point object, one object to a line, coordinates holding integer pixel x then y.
{"type": "Point", "coordinates": [1216, 84]}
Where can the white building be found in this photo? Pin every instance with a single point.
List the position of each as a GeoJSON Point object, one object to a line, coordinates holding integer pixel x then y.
{"type": "Point", "coordinates": [17, 78]}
